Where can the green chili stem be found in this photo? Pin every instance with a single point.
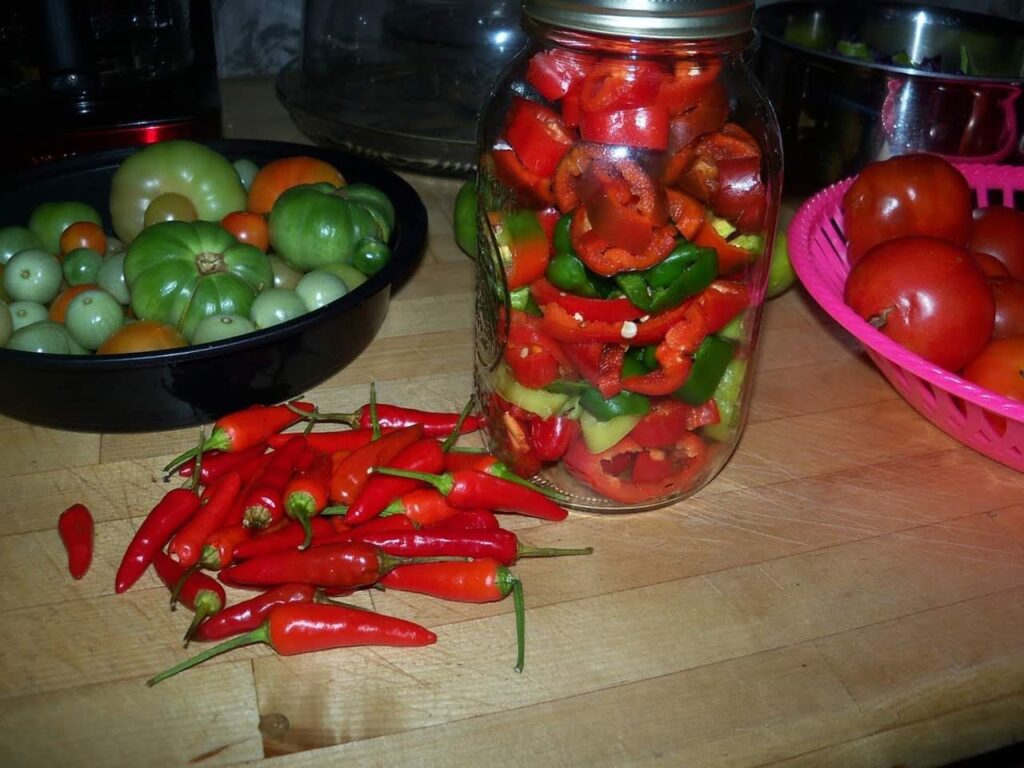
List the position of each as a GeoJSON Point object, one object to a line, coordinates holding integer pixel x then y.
{"type": "Point", "coordinates": [185, 576]}
{"type": "Point", "coordinates": [443, 483]}
{"type": "Point", "coordinates": [519, 604]}
{"type": "Point", "coordinates": [526, 551]}
{"type": "Point", "coordinates": [450, 441]}
{"type": "Point", "coordinates": [374, 421]}
{"type": "Point", "coordinates": [259, 635]}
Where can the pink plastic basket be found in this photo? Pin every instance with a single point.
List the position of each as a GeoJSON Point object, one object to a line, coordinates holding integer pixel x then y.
{"type": "Point", "coordinates": [965, 411]}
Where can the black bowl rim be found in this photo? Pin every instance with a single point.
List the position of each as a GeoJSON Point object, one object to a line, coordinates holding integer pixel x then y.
{"type": "Point", "coordinates": [407, 243]}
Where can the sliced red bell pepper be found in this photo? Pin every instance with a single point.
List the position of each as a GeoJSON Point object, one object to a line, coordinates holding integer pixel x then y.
{"type": "Point", "coordinates": [721, 302]}
{"type": "Point", "coordinates": [686, 212]}
{"type": "Point", "coordinates": [552, 436]}
{"type": "Point", "coordinates": [533, 188]}
{"type": "Point", "coordinates": [707, 116]}
{"type": "Point", "coordinates": [673, 355]}
{"type": "Point", "coordinates": [571, 111]}
{"type": "Point", "coordinates": [605, 259]}
{"type": "Point", "coordinates": [688, 85]}
{"type": "Point", "coordinates": [668, 419]}
{"type": "Point", "coordinates": [637, 127]}
{"type": "Point", "coordinates": [617, 309]}
{"type": "Point", "coordinates": [554, 73]}
{"type": "Point", "coordinates": [599, 363]}
{"type": "Point", "coordinates": [524, 244]}
{"type": "Point", "coordinates": [533, 363]}
{"type": "Point", "coordinates": [730, 257]}
{"type": "Point", "coordinates": [623, 204]}
{"type": "Point", "coordinates": [563, 326]}
{"type": "Point", "coordinates": [615, 84]}
{"type": "Point", "coordinates": [548, 217]}
{"type": "Point", "coordinates": [538, 136]}
{"type": "Point", "coordinates": [740, 195]}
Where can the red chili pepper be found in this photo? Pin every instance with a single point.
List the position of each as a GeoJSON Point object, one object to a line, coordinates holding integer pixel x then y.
{"type": "Point", "coordinates": [174, 510]}
{"type": "Point", "coordinates": [610, 310]}
{"type": "Point", "coordinates": [353, 472]}
{"type": "Point", "coordinates": [475, 581]}
{"type": "Point", "coordinates": [674, 355]}
{"type": "Point", "coordinates": [721, 302]}
{"type": "Point", "coordinates": [249, 614]}
{"type": "Point", "coordinates": [530, 187]}
{"type": "Point", "coordinates": [219, 549]}
{"type": "Point", "coordinates": [496, 543]}
{"type": "Point", "coordinates": [242, 429]}
{"type": "Point", "coordinates": [539, 137]}
{"type": "Point", "coordinates": [291, 536]}
{"type": "Point", "coordinates": [377, 524]}
{"type": "Point", "coordinates": [471, 489]}
{"type": "Point", "coordinates": [307, 627]}
{"type": "Point", "coordinates": [261, 503]}
{"type": "Point", "coordinates": [307, 493]}
{"type": "Point", "coordinates": [216, 464]}
{"type": "Point", "coordinates": [422, 456]}
{"type": "Point", "coordinates": [75, 527]}
{"type": "Point", "coordinates": [348, 565]}
{"type": "Point", "coordinates": [560, 325]}
{"type": "Point", "coordinates": [196, 591]}
{"type": "Point", "coordinates": [424, 506]}
{"type": "Point", "coordinates": [468, 520]}
{"type": "Point", "coordinates": [556, 72]}
{"type": "Point", "coordinates": [489, 463]}
{"type": "Point", "coordinates": [396, 417]}
{"type": "Point", "coordinates": [638, 127]}
{"type": "Point", "coordinates": [328, 442]}
{"type": "Point", "coordinates": [599, 363]}
{"type": "Point", "coordinates": [187, 544]}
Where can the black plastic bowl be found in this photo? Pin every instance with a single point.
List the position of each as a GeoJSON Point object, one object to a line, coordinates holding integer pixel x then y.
{"type": "Point", "coordinates": [195, 385]}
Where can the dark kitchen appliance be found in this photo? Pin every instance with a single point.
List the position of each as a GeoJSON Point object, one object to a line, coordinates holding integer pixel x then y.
{"type": "Point", "coordinates": [83, 75]}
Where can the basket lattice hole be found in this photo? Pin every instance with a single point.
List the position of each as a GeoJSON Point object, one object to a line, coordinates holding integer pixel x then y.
{"type": "Point", "coordinates": [961, 410]}
{"type": "Point", "coordinates": [1018, 199]}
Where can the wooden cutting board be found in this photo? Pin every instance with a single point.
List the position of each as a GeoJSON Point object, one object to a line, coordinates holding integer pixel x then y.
{"type": "Point", "coordinates": [848, 592]}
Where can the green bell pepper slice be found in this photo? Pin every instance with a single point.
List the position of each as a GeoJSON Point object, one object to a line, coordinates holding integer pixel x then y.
{"type": "Point", "coordinates": [727, 396]}
{"type": "Point", "coordinates": [709, 364]}
{"type": "Point", "coordinates": [561, 238]}
{"type": "Point", "coordinates": [599, 436]}
{"type": "Point", "coordinates": [542, 402]}
{"type": "Point", "coordinates": [464, 221]}
{"type": "Point", "coordinates": [685, 272]}
{"type": "Point", "coordinates": [636, 289]}
{"type": "Point", "coordinates": [625, 403]}
{"type": "Point", "coordinates": [523, 300]}
{"type": "Point", "coordinates": [566, 271]}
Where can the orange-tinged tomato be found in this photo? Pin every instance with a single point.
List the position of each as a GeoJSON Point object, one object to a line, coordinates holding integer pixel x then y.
{"type": "Point", "coordinates": [142, 336]}
{"type": "Point", "coordinates": [999, 367]}
{"type": "Point", "coordinates": [287, 172]}
{"type": "Point", "coordinates": [59, 307]}
{"type": "Point", "coordinates": [248, 228]}
{"type": "Point", "coordinates": [83, 234]}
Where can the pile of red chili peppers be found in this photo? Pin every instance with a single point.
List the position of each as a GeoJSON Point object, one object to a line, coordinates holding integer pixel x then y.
{"type": "Point", "coordinates": [302, 516]}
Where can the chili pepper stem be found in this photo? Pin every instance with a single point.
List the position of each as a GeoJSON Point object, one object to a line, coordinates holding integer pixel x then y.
{"type": "Point", "coordinates": [217, 441]}
{"type": "Point", "coordinates": [388, 562]}
{"type": "Point", "coordinates": [348, 419]}
{"type": "Point", "coordinates": [200, 616]}
{"type": "Point", "coordinates": [443, 483]}
{"type": "Point", "coordinates": [525, 551]}
{"type": "Point", "coordinates": [185, 576]}
{"type": "Point", "coordinates": [259, 635]}
{"type": "Point", "coordinates": [519, 605]}
{"type": "Point", "coordinates": [450, 441]}
{"type": "Point", "coordinates": [374, 418]}
{"type": "Point", "coordinates": [500, 470]}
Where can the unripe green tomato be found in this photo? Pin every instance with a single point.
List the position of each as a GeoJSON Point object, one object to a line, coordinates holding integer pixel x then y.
{"type": "Point", "coordinates": [319, 288]}
{"type": "Point", "coordinates": [111, 278]}
{"type": "Point", "coordinates": [47, 337]}
{"type": "Point", "coordinates": [170, 206]}
{"type": "Point", "coordinates": [221, 327]}
{"type": "Point", "coordinates": [285, 276]}
{"type": "Point", "coordinates": [92, 316]}
{"type": "Point", "coordinates": [82, 265]}
{"type": "Point", "coordinates": [49, 220]}
{"type": "Point", "coordinates": [27, 312]}
{"type": "Point", "coordinates": [351, 276]}
{"type": "Point", "coordinates": [370, 255]}
{"type": "Point", "coordinates": [14, 239]}
{"type": "Point", "coordinates": [246, 170]}
{"type": "Point", "coordinates": [33, 275]}
{"type": "Point", "coordinates": [6, 323]}
{"type": "Point", "coordinates": [274, 306]}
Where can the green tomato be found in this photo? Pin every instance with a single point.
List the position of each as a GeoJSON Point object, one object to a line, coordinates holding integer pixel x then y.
{"type": "Point", "coordinates": [46, 336]}
{"type": "Point", "coordinates": [203, 175]}
{"type": "Point", "coordinates": [246, 170]}
{"type": "Point", "coordinates": [781, 276]}
{"type": "Point", "coordinates": [276, 305]}
{"type": "Point", "coordinates": [312, 225]}
{"type": "Point", "coordinates": [82, 265]}
{"type": "Point", "coordinates": [14, 239]}
{"type": "Point", "coordinates": [370, 255]}
{"type": "Point", "coordinates": [352, 277]}
{"type": "Point", "coordinates": [92, 316]}
{"type": "Point", "coordinates": [319, 287]}
{"type": "Point", "coordinates": [110, 278]}
{"type": "Point", "coordinates": [6, 323]}
{"type": "Point", "coordinates": [179, 272]}
{"type": "Point", "coordinates": [373, 200]}
{"type": "Point", "coordinates": [284, 276]}
{"type": "Point", "coordinates": [114, 246]}
{"type": "Point", "coordinates": [464, 218]}
{"type": "Point", "coordinates": [27, 312]}
{"type": "Point", "coordinates": [170, 206]}
{"type": "Point", "coordinates": [33, 275]}
{"type": "Point", "coordinates": [220, 327]}
{"type": "Point", "coordinates": [49, 220]}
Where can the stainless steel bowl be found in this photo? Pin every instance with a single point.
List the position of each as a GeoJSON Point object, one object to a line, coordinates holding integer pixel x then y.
{"type": "Point", "coordinates": [933, 80]}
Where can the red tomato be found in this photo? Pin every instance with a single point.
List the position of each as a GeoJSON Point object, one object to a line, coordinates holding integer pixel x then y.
{"type": "Point", "coordinates": [1009, 298]}
{"type": "Point", "coordinates": [928, 295]}
{"type": "Point", "coordinates": [248, 228]}
{"type": "Point", "coordinates": [906, 195]}
{"type": "Point", "coordinates": [999, 231]}
{"type": "Point", "coordinates": [287, 172]}
{"type": "Point", "coordinates": [83, 234]}
{"type": "Point", "coordinates": [142, 336]}
{"type": "Point", "coordinates": [999, 367]}
{"type": "Point", "coordinates": [990, 265]}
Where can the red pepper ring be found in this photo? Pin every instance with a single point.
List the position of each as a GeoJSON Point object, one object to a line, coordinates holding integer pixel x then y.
{"type": "Point", "coordinates": [611, 310]}
{"type": "Point", "coordinates": [606, 260]}
{"type": "Point", "coordinates": [562, 326]}
{"type": "Point", "coordinates": [637, 127]}
{"type": "Point", "coordinates": [539, 137]}
{"type": "Point", "coordinates": [674, 354]}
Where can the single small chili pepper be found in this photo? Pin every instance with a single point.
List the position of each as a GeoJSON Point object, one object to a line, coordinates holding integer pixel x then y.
{"type": "Point", "coordinates": [327, 442]}
{"type": "Point", "coordinates": [76, 529]}
{"type": "Point", "coordinates": [218, 463]}
{"type": "Point", "coordinates": [377, 524]}
{"type": "Point", "coordinates": [262, 505]}
{"type": "Point", "coordinates": [471, 489]}
{"type": "Point", "coordinates": [468, 520]}
{"type": "Point", "coordinates": [424, 455]}
{"type": "Point", "coordinates": [392, 417]}
{"type": "Point", "coordinates": [242, 429]}
{"type": "Point", "coordinates": [308, 627]}
{"type": "Point", "coordinates": [489, 463]}
{"type": "Point", "coordinates": [249, 614]}
{"type": "Point", "coordinates": [497, 543]}
{"type": "Point", "coordinates": [348, 565]}
{"type": "Point", "coordinates": [172, 512]}
{"type": "Point", "coordinates": [291, 536]}
{"type": "Point", "coordinates": [196, 590]}
{"type": "Point", "coordinates": [353, 472]}
{"type": "Point", "coordinates": [473, 581]}
{"type": "Point", "coordinates": [424, 506]}
{"type": "Point", "coordinates": [187, 544]}
{"type": "Point", "coordinates": [307, 493]}
{"type": "Point", "coordinates": [219, 548]}
{"type": "Point", "coordinates": [262, 501]}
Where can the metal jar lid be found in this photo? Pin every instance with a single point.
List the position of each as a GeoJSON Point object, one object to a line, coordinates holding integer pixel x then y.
{"type": "Point", "coordinates": [658, 19]}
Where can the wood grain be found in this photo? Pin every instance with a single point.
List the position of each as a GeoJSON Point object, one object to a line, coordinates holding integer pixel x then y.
{"type": "Point", "coordinates": [848, 591]}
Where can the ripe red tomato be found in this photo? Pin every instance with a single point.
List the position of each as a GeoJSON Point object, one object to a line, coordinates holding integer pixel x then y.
{"type": "Point", "coordinates": [999, 231]}
{"type": "Point", "coordinates": [990, 265]}
{"type": "Point", "coordinates": [1009, 298]}
{"type": "Point", "coordinates": [999, 367]}
{"type": "Point", "coordinates": [927, 294]}
{"type": "Point", "coordinates": [248, 228]}
{"type": "Point", "coordinates": [906, 195]}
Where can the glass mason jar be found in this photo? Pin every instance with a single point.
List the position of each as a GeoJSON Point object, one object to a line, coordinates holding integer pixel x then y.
{"type": "Point", "coordinates": [628, 182]}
